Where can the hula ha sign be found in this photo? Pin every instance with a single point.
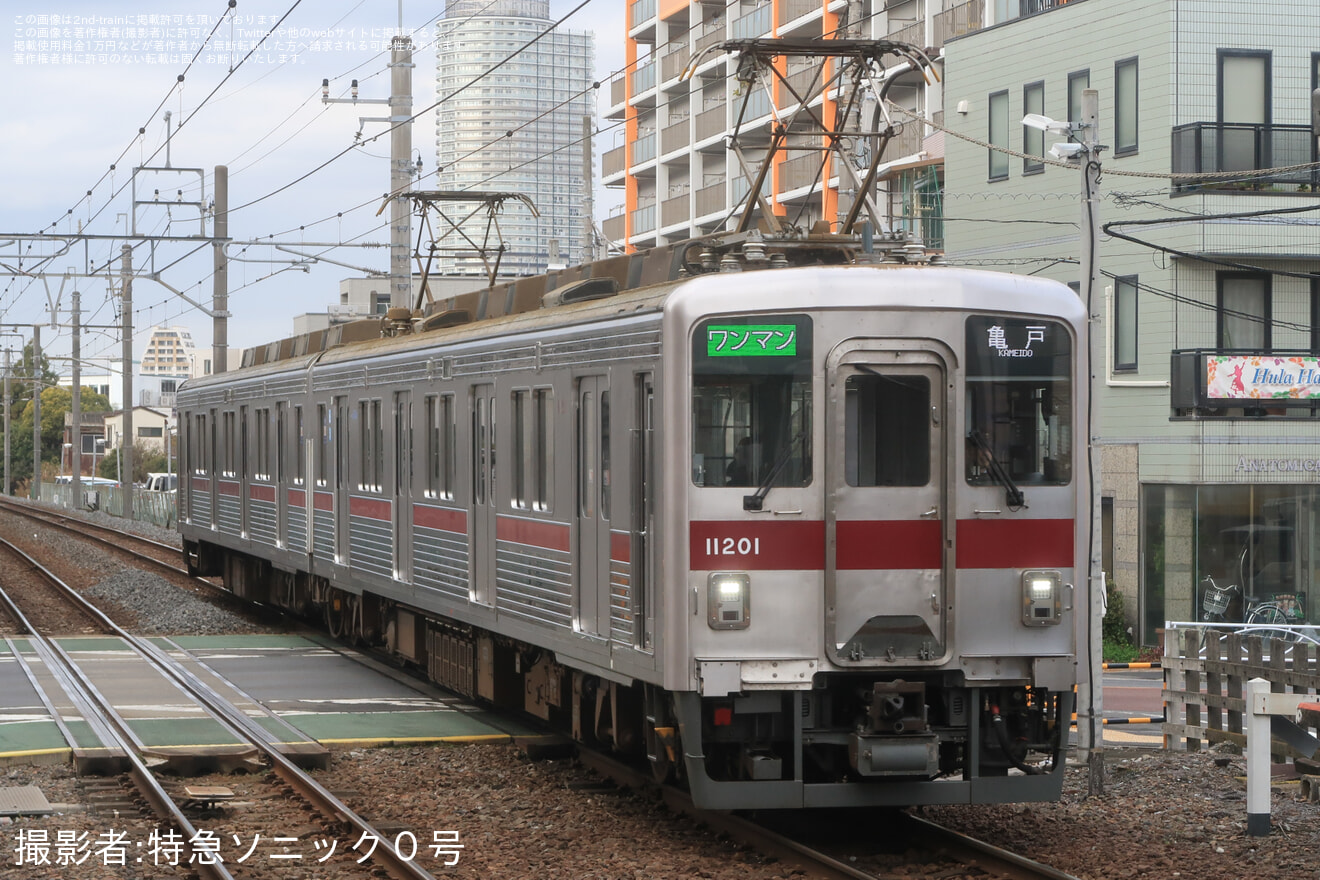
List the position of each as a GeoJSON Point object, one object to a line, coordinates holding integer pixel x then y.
{"type": "Point", "coordinates": [1282, 380]}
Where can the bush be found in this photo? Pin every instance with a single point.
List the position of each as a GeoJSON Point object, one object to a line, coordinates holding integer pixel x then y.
{"type": "Point", "coordinates": [1114, 627]}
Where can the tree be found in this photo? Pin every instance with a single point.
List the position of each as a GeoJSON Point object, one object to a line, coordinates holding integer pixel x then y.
{"type": "Point", "coordinates": [55, 403]}
{"type": "Point", "coordinates": [144, 454]}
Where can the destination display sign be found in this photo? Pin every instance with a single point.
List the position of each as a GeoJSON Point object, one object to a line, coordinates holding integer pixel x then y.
{"type": "Point", "coordinates": [751, 340]}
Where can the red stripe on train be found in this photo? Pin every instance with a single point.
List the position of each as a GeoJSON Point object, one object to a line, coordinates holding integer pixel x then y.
{"type": "Point", "coordinates": [881, 545]}
{"type": "Point", "coordinates": [258, 492]}
{"type": "Point", "coordinates": [444, 519]}
{"type": "Point", "coordinates": [757, 546]}
{"type": "Point", "coordinates": [323, 501]}
{"type": "Point", "coordinates": [534, 533]}
{"type": "Point", "coordinates": [620, 546]}
{"type": "Point", "coordinates": [201, 484]}
{"type": "Point", "coordinates": [226, 487]}
{"type": "Point", "coordinates": [371, 508]}
{"type": "Point", "coordinates": [1016, 543]}
{"type": "Point", "coordinates": [297, 497]}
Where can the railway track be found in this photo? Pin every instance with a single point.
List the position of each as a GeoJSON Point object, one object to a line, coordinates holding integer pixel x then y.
{"type": "Point", "coordinates": [926, 844]}
{"type": "Point", "coordinates": [120, 749]}
{"type": "Point", "coordinates": [928, 848]}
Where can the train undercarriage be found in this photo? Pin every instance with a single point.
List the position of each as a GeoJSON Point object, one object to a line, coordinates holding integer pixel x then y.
{"type": "Point", "coordinates": [853, 739]}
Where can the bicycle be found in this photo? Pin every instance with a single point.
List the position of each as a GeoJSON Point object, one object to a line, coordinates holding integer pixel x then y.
{"type": "Point", "coordinates": [1259, 617]}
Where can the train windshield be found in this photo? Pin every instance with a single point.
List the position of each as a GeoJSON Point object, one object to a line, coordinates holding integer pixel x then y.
{"type": "Point", "coordinates": [751, 401]}
{"type": "Point", "coordinates": [1019, 401]}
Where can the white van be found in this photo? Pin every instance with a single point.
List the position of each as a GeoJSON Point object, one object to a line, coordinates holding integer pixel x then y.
{"type": "Point", "coordinates": [162, 482]}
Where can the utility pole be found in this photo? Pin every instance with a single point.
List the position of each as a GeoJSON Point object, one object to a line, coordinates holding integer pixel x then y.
{"type": "Point", "coordinates": [126, 441]}
{"type": "Point", "coordinates": [1090, 234]}
{"type": "Point", "coordinates": [401, 169]}
{"type": "Point", "coordinates": [220, 283]}
{"type": "Point", "coordinates": [34, 488]}
{"type": "Point", "coordinates": [8, 481]}
{"type": "Point", "coordinates": [76, 479]}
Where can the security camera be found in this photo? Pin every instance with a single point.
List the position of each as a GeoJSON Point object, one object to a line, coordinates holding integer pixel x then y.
{"type": "Point", "coordinates": [1067, 152]}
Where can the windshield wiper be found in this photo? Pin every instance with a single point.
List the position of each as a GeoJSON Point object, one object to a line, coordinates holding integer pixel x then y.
{"type": "Point", "coordinates": [1013, 495]}
{"type": "Point", "coordinates": [753, 502]}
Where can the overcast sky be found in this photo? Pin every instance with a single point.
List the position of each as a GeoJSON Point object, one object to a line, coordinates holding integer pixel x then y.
{"type": "Point", "coordinates": [72, 103]}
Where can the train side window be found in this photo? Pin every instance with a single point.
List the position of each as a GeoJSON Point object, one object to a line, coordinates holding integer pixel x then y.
{"type": "Point", "coordinates": [228, 458]}
{"type": "Point", "coordinates": [532, 448]}
{"type": "Point", "coordinates": [262, 470]}
{"type": "Point", "coordinates": [299, 467]}
{"type": "Point", "coordinates": [440, 432]}
{"type": "Point", "coordinates": [327, 446]}
{"type": "Point", "coordinates": [544, 435]}
{"type": "Point", "coordinates": [751, 401]}
{"type": "Point", "coordinates": [278, 464]}
{"type": "Point", "coordinates": [887, 433]}
{"type": "Point", "coordinates": [198, 438]}
{"type": "Point", "coordinates": [372, 446]}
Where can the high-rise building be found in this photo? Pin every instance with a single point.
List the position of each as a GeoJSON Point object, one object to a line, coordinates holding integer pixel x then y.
{"type": "Point", "coordinates": [510, 119]}
{"type": "Point", "coordinates": [170, 352]}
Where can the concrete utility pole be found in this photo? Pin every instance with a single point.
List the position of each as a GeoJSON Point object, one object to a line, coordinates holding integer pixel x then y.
{"type": "Point", "coordinates": [34, 488]}
{"type": "Point", "coordinates": [220, 282]}
{"type": "Point", "coordinates": [76, 477]}
{"type": "Point", "coordinates": [1092, 691]}
{"type": "Point", "coordinates": [401, 168]}
{"type": "Point", "coordinates": [126, 441]}
{"type": "Point", "coordinates": [8, 481]}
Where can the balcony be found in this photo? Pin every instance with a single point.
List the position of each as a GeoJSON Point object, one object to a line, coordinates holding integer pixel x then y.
{"type": "Point", "coordinates": [644, 148]}
{"type": "Point", "coordinates": [1214, 148]}
{"type": "Point", "coordinates": [800, 171]}
{"type": "Point", "coordinates": [618, 91]}
{"type": "Point", "coordinates": [640, 13]}
{"type": "Point", "coordinates": [1224, 383]}
{"type": "Point", "coordinates": [710, 199]}
{"type": "Point", "coordinates": [674, 137]}
{"type": "Point", "coordinates": [948, 24]}
{"type": "Point", "coordinates": [710, 35]}
{"type": "Point", "coordinates": [674, 61]}
{"type": "Point", "coordinates": [613, 227]}
{"type": "Point", "coordinates": [643, 78]}
{"type": "Point", "coordinates": [791, 9]}
{"type": "Point", "coordinates": [674, 210]}
{"type": "Point", "coordinates": [711, 122]}
{"type": "Point", "coordinates": [613, 163]}
{"type": "Point", "coordinates": [643, 219]}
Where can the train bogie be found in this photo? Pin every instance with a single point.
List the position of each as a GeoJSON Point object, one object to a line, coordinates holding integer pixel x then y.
{"type": "Point", "coordinates": [802, 537]}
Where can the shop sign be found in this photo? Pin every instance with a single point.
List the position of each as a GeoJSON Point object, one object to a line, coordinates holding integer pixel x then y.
{"type": "Point", "coordinates": [1247, 465]}
{"type": "Point", "coordinates": [1262, 377]}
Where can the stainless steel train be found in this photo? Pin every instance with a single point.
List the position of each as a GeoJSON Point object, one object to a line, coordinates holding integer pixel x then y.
{"type": "Point", "coordinates": [801, 535]}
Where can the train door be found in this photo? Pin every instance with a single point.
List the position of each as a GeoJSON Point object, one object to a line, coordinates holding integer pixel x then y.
{"type": "Point", "coordinates": [484, 509]}
{"type": "Point", "coordinates": [339, 433]}
{"type": "Point", "coordinates": [887, 528]}
{"type": "Point", "coordinates": [403, 485]}
{"type": "Point", "coordinates": [592, 563]}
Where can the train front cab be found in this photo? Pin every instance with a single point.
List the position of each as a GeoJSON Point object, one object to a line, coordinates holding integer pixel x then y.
{"type": "Point", "coordinates": [880, 618]}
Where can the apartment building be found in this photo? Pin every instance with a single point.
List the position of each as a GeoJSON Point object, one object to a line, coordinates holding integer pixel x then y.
{"type": "Point", "coordinates": [681, 102]}
{"type": "Point", "coordinates": [1206, 353]}
{"type": "Point", "coordinates": [170, 352]}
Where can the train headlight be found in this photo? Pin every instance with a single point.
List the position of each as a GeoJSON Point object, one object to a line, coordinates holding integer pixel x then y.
{"type": "Point", "coordinates": [728, 600]}
{"type": "Point", "coordinates": [1042, 598]}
